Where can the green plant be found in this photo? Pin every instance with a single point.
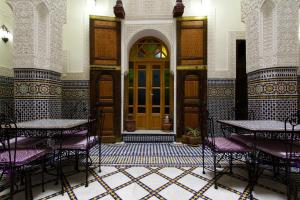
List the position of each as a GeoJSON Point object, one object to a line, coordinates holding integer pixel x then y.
{"type": "Point", "coordinates": [195, 132]}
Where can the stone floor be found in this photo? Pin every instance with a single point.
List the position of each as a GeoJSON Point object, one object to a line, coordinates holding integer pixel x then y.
{"type": "Point", "coordinates": [132, 182]}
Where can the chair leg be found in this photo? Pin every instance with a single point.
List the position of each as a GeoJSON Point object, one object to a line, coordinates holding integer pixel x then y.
{"type": "Point", "coordinates": [57, 168]}
{"type": "Point", "coordinates": [61, 173]}
{"type": "Point", "coordinates": [12, 178]}
{"type": "Point", "coordinates": [203, 147]}
{"type": "Point", "coordinates": [230, 163]}
{"type": "Point", "coordinates": [26, 186]}
{"type": "Point", "coordinates": [30, 187]}
{"type": "Point", "coordinates": [86, 168]}
{"type": "Point", "coordinates": [22, 179]}
{"type": "Point", "coordinates": [288, 185]}
{"type": "Point", "coordinates": [215, 170]}
{"type": "Point", "coordinates": [43, 174]}
{"type": "Point", "coordinates": [76, 160]}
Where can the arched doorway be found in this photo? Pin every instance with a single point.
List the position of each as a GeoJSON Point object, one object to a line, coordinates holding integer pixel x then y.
{"type": "Point", "coordinates": [148, 86]}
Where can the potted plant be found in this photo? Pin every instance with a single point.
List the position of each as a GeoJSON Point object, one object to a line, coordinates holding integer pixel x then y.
{"type": "Point", "coordinates": [193, 137]}
{"type": "Point", "coordinates": [130, 124]}
{"type": "Point", "coordinates": [167, 124]}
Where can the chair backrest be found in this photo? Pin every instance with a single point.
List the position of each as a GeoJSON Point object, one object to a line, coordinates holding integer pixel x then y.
{"type": "Point", "coordinates": [100, 120]}
{"type": "Point", "coordinates": [292, 137]}
{"type": "Point", "coordinates": [8, 134]}
{"type": "Point", "coordinates": [95, 122]}
{"type": "Point", "coordinates": [210, 129]}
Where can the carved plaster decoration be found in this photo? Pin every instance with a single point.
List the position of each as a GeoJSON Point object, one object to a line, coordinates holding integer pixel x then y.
{"type": "Point", "coordinates": [42, 19]}
{"type": "Point", "coordinates": [148, 9]}
{"type": "Point", "coordinates": [272, 33]}
{"type": "Point", "coordinates": [7, 72]}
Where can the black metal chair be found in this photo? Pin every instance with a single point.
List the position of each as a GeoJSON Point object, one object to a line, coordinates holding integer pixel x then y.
{"type": "Point", "coordinates": [23, 161]}
{"type": "Point", "coordinates": [23, 142]}
{"type": "Point", "coordinates": [84, 143]}
{"type": "Point", "coordinates": [286, 151]}
{"type": "Point", "coordinates": [220, 145]}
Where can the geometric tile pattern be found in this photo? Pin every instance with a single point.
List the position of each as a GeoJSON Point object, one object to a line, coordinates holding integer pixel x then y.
{"type": "Point", "coordinates": [221, 100]}
{"type": "Point", "coordinates": [273, 92]}
{"type": "Point", "coordinates": [149, 149]}
{"type": "Point", "coordinates": [171, 183]}
{"type": "Point", "coordinates": [7, 96]}
{"type": "Point", "coordinates": [75, 98]}
{"type": "Point", "coordinates": [161, 137]}
{"type": "Point", "coordinates": [37, 94]}
{"type": "Point", "coordinates": [149, 154]}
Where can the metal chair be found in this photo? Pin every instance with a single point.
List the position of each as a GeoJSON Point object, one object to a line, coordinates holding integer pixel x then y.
{"type": "Point", "coordinates": [13, 159]}
{"type": "Point", "coordinates": [84, 143]}
{"type": "Point", "coordinates": [285, 150]}
{"type": "Point", "coordinates": [23, 142]}
{"type": "Point", "coordinates": [220, 145]}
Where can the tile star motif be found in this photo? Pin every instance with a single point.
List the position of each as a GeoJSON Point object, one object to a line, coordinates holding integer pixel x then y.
{"type": "Point", "coordinates": [171, 172]}
{"type": "Point", "coordinates": [116, 180]}
{"type": "Point", "coordinates": [192, 182]}
{"type": "Point", "coordinates": [132, 192]}
{"type": "Point", "coordinates": [154, 181]}
{"type": "Point", "coordinates": [137, 171]}
{"type": "Point", "coordinates": [175, 192]}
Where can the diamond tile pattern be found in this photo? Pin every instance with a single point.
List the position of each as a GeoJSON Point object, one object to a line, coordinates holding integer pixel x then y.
{"type": "Point", "coordinates": [118, 182]}
{"type": "Point", "coordinates": [176, 182]}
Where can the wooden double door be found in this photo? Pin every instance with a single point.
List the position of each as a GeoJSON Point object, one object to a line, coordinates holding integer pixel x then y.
{"type": "Point", "coordinates": [149, 94]}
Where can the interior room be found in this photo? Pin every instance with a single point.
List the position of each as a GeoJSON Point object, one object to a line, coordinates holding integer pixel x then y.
{"type": "Point", "coordinates": [149, 99]}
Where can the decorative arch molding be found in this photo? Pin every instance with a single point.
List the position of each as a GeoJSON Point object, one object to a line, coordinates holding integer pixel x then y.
{"type": "Point", "coordinates": [162, 31]}
{"type": "Point", "coordinates": [42, 46]}
{"type": "Point", "coordinates": [268, 30]}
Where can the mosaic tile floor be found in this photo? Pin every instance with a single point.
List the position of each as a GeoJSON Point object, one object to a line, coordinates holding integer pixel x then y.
{"type": "Point", "coordinates": [132, 182]}
{"type": "Point", "coordinates": [157, 154]}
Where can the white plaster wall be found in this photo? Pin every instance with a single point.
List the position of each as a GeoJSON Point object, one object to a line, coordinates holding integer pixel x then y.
{"type": "Point", "coordinates": [6, 18]}
{"type": "Point", "coordinates": [223, 18]}
{"type": "Point", "coordinates": [73, 37]}
{"type": "Point", "coordinates": [227, 19]}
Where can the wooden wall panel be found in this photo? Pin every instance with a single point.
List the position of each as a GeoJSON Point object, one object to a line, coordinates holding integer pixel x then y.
{"type": "Point", "coordinates": [105, 44]}
{"type": "Point", "coordinates": [191, 100]}
{"type": "Point", "coordinates": [105, 75]}
{"type": "Point", "coordinates": [192, 42]}
{"type": "Point", "coordinates": [191, 74]}
{"type": "Point", "coordinates": [106, 92]}
{"type": "Point", "coordinates": [105, 36]}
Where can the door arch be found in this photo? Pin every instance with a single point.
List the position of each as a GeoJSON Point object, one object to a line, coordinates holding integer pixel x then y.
{"type": "Point", "coordinates": [149, 84]}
